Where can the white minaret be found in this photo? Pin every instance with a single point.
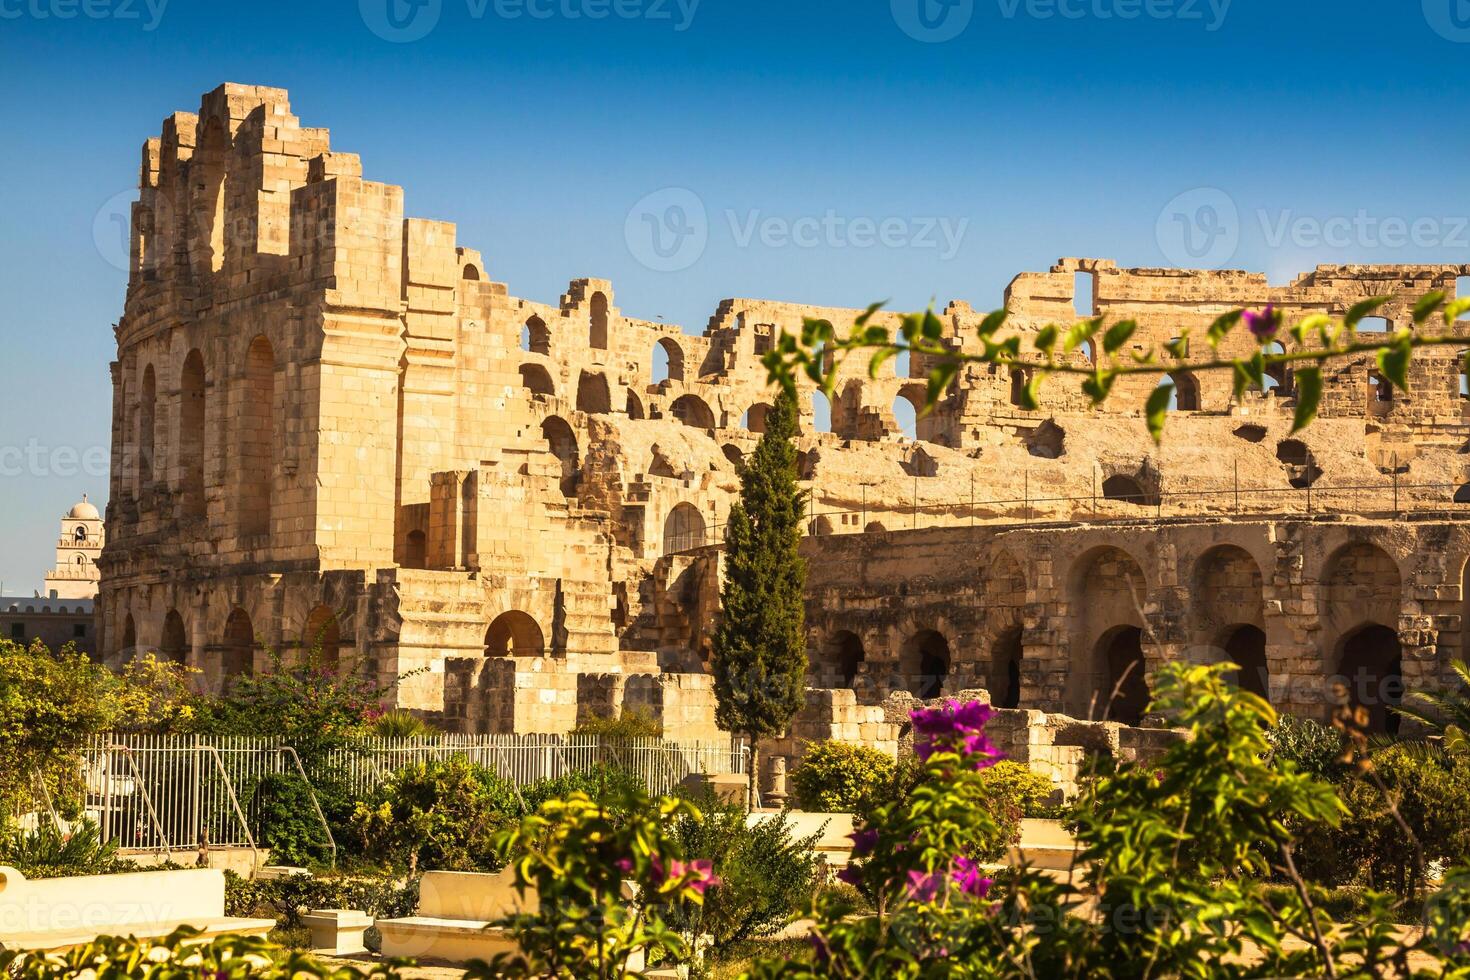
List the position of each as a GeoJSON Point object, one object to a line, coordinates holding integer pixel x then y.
{"type": "Point", "coordinates": [75, 575]}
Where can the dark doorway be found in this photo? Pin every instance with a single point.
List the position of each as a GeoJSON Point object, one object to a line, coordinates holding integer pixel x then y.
{"type": "Point", "coordinates": [1246, 648]}
{"type": "Point", "coordinates": [1372, 668]}
{"type": "Point", "coordinates": [1124, 691]}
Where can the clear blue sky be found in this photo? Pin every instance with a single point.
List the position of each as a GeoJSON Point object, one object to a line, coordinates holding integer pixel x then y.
{"type": "Point", "coordinates": [1042, 128]}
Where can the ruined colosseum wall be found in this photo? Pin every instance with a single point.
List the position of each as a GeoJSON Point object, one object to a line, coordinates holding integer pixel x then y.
{"type": "Point", "coordinates": [331, 424]}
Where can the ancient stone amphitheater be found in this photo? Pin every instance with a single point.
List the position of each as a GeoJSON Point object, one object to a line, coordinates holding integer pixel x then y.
{"type": "Point", "coordinates": [330, 421]}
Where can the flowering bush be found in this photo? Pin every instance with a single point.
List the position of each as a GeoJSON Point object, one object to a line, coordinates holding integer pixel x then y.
{"type": "Point", "coordinates": [601, 882]}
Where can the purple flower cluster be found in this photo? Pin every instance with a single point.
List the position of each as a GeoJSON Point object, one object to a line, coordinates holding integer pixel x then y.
{"type": "Point", "coordinates": [1263, 324]}
{"type": "Point", "coordinates": [955, 727]}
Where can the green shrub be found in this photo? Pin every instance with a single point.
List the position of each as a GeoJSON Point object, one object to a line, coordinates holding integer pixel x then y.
{"type": "Point", "coordinates": [1018, 792]}
{"type": "Point", "coordinates": [1316, 749]}
{"type": "Point", "coordinates": [288, 821]}
{"type": "Point", "coordinates": [440, 815]}
{"type": "Point", "coordinates": [602, 782]}
{"type": "Point", "coordinates": [840, 777]}
{"type": "Point", "coordinates": [766, 875]}
{"type": "Point", "coordinates": [48, 853]}
{"type": "Point", "coordinates": [1430, 791]}
{"type": "Point", "coordinates": [400, 723]}
{"type": "Point", "coordinates": [288, 899]}
{"type": "Point", "coordinates": [630, 724]}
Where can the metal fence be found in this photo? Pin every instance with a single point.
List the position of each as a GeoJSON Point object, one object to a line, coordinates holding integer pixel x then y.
{"type": "Point", "coordinates": [172, 793]}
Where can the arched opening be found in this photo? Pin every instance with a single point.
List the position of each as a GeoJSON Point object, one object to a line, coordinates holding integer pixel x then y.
{"type": "Point", "coordinates": [1371, 667]}
{"type": "Point", "coordinates": [1301, 467]}
{"type": "Point", "coordinates": [257, 439]}
{"type": "Point", "coordinates": [535, 337]}
{"type": "Point", "coordinates": [514, 634]}
{"type": "Point", "coordinates": [633, 406]}
{"type": "Point", "coordinates": [733, 454]}
{"type": "Point", "coordinates": [174, 645]}
{"type": "Point", "coordinates": [1020, 378]}
{"type": "Point", "coordinates": [80, 534]}
{"type": "Point", "coordinates": [207, 205]}
{"type": "Point", "coordinates": [684, 529]}
{"type": "Point", "coordinates": [1186, 392]}
{"type": "Point", "coordinates": [820, 526]}
{"type": "Point", "coordinates": [1380, 389]}
{"type": "Point", "coordinates": [1462, 494]}
{"type": "Point", "coordinates": [599, 315]}
{"type": "Point", "coordinates": [925, 661]}
{"type": "Point", "coordinates": [1226, 595]}
{"type": "Point", "coordinates": [1123, 687]}
{"type": "Point", "coordinates": [191, 435]}
{"type": "Point", "coordinates": [1084, 294]}
{"type": "Point", "coordinates": [562, 443]}
{"type": "Point", "coordinates": [1245, 646]}
{"type": "Point", "coordinates": [537, 380]}
{"type": "Point", "coordinates": [322, 637]}
{"type": "Point", "coordinates": [821, 412]}
{"type": "Point", "coordinates": [906, 416]}
{"type": "Point", "coordinates": [1460, 357]}
{"type": "Point", "coordinates": [592, 394]}
{"type": "Point", "coordinates": [1124, 489]}
{"type": "Point", "coordinates": [147, 418]}
{"type": "Point", "coordinates": [129, 648]}
{"type": "Point", "coordinates": [238, 656]}
{"type": "Point", "coordinates": [875, 527]}
{"type": "Point", "coordinates": [1005, 670]}
{"type": "Point", "coordinates": [693, 412]}
{"type": "Point", "coordinates": [668, 361]}
{"type": "Point", "coordinates": [470, 273]}
{"type": "Point", "coordinates": [842, 654]}
{"type": "Point", "coordinates": [416, 550]}
{"type": "Point", "coordinates": [1278, 376]}
{"type": "Point", "coordinates": [755, 417]}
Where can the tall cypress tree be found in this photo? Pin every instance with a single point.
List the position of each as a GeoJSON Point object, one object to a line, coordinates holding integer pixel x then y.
{"type": "Point", "coordinates": [759, 657]}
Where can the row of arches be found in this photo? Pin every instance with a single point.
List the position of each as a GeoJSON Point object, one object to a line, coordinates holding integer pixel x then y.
{"type": "Point", "coordinates": [321, 632]}
{"type": "Point", "coordinates": [250, 440]}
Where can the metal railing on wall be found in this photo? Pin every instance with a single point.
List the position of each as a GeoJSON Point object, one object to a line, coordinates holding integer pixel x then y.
{"type": "Point", "coordinates": [177, 794]}
{"type": "Point", "coordinates": [1311, 498]}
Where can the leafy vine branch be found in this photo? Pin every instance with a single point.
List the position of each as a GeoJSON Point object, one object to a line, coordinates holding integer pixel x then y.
{"type": "Point", "coordinates": [819, 352]}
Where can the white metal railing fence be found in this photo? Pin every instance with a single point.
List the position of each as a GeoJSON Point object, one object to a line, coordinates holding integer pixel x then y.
{"type": "Point", "coordinates": [177, 793]}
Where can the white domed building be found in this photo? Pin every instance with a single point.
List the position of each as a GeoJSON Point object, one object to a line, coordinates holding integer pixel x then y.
{"type": "Point", "coordinates": [75, 575]}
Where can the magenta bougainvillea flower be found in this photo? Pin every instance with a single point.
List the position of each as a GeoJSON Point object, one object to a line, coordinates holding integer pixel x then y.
{"type": "Point", "coordinates": [863, 842]}
{"type": "Point", "coordinates": [969, 879]}
{"type": "Point", "coordinates": [700, 874]}
{"type": "Point", "coordinates": [1263, 324]}
{"type": "Point", "coordinates": [955, 727]}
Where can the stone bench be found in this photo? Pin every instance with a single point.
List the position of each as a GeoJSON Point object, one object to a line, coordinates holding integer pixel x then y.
{"type": "Point", "coordinates": [454, 922]}
{"type": "Point", "coordinates": [56, 914]}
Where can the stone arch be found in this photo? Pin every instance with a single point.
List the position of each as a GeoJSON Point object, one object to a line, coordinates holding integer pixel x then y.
{"type": "Point", "coordinates": [671, 363]}
{"type": "Point", "coordinates": [1106, 590]}
{"type": "Point", "coordinates": [174, 643]}
{"type": "Point", "coordinates": [755, 417]}
{"type": "Point", "coordinates": [1124, 489]}
{"type": "Point", "coordinates": [598, 314]}
{"type": "Point", "coordinates": [1186, 391]}
{"type": "Point", "coordinates": [191, 435]}
{"type": "Point", "coordinates": [1279, 377]}
{"type": "Point", "coordinates": [907, 405]}
{"type": "Point", "coordinates": [1370, 669]}
{"type": "Point", "coordinates": [470, 273]}
{"type": "Point", "coordinates": [537, 380]}
{"type": "Point", "coordinates": [129, 648]}
{"type": "Point", "coordinates": [1462, 494]}
{"type": "Point", "coordinates": [257, 440]}
{"type": "Point", "coordinates": [733, 454]}
{"type": "Point", "coordinates": [1360, 583]}
{"type": "Point", "coordinates": [593, 396]}
{"type": "Point", "coordinates": [924, 661]}
{"type": "Point", "coordinates": [875, 527]}
{"type": "Point", "coordinates": [684, 529]}
{"type": "Point", "coordinates": [1020, 378]}
{"type": "Point", "coordinates": [147, 427]}
{"type": "Point", "coordinates": [514, 634]}
{"type": "Point", "coordinates": [206, 169]}
{"type": "Point", "coordinates": [820, 526]}
{"type": "Point", "coordinates": [1120, 675]}
{"type": "Point", "coordinates": [841, 657]}
{"type": "Point", "coordinates": [822, 412]}
{"type": "Point", "coordinates": [633, 406]}
{"type": "Point", "coordinates": [237, 657]}
{"type": "Point", "coordinates": [1004, 681]}
{"type": "Point", "coordinates": [535, 336]}
{"type": "Point", "coordinates": [323, 635]}
{"type": "Point", "coordinates": [693, 412]}
{"type": "Point", "coordinates": [561, 441]}
{"type": "Point", "coordinates": [1245, 646]}
{"type": "Point", "coordinates": [1226, 590]}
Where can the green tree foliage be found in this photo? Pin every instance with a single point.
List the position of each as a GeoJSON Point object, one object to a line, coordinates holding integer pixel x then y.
{"type": "Point", "coordinates": [841, 777]}
{"type": "Point", "coordinates": [1445, 713]}
{"type": "Point", "coordinates": [759, 657]}
{"type": "Point", "coordinates": [47, 852]}
{"type": "Point", "coordinates": [440, 815]}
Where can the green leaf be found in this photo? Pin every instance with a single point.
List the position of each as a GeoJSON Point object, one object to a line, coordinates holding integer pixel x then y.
{"type": "Point", "coordinates": [1080, 331]}
{"type": "Point", "coordinates": [879, 358]}
{"type": "Point", "coordinates": [1031, 394]}
{"type": "Point", "coordinates": [1157, 410]}
{"type": "Point", "coordinates": [1118, 335]}
{"type": "Point", "coordinates": [1317, 321]}
{"type": "Point", "coordinates": [992, 322]}
{"type": "Point", "coordinates": [1456, 310]}
{"type": "Point", "coordinates": [939, 379]}
{"type": "Point", "coordinates": [866, 315]}
{"type": "Point", "coordinates": [1098, 385]}
{"type": "Point", "coordinates": [932, 327]}
{"type": "Point", "coordinates": [1360, 310]}
{"type": "Point", "coordinates": [1308, 396]}
{"type": "Point", "coordinates": [1426, 306]}
{"type": "Point", "coordinates": [1046, 338]}
{"type": "Point", "coordinates": [1178, 348]}
{"type": "Point", "coordinates": [1241, 377]}
{"type": "Point", "coordinates": [1394, 363]}
{"type": "Point", "coordinates": [1222, 326]}
{"type": "Point", "coordinates": [911, 325]}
